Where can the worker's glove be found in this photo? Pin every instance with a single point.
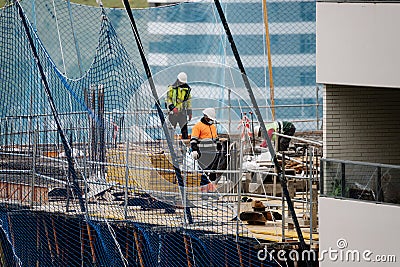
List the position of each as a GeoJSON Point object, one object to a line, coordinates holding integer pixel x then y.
{"type": "Point", "coordinates": [195, 155]}
{"type": "Point", "coordinates": [175, 110]}
{"type": "Point", "coordinates": [171, 107]}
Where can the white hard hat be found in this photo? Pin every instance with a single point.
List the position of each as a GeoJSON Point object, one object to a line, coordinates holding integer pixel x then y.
{"type": "Point", "coordinates": [210, 113]}
{"type": "Point", "coordinates": [182, 77]}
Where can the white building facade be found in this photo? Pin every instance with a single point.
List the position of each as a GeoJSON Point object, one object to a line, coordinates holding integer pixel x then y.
{"type": "Point", "coordinates": [357, 63]}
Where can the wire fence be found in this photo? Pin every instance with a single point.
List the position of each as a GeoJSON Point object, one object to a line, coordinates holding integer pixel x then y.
{"type": "Point", "coordinates": [360, 180]}
{"type": "Point", "coordinates": [84, 152]}
{"type": "Point", "coordinates": [187, 37]}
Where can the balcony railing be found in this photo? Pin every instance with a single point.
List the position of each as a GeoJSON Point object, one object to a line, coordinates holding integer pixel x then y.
{"type": "Point", "coordinates": [360, 180]}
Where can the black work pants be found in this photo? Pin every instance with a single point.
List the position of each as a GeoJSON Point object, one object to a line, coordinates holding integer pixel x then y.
{"type": "Point", "coordinates": [181, 118]}
{"type": "Point", "coordinates": [208, 160]}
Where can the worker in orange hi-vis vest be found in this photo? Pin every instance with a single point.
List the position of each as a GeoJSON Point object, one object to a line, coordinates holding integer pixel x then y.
{"type": "Point", "coordinates": [205, 146]}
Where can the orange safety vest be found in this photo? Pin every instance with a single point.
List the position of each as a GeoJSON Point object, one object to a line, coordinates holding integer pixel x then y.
{"type": "Point", "coordinates": [203, 132]}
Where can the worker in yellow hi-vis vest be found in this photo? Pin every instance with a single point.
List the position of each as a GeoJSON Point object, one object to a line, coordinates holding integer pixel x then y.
{"type": "Point", "coordinates": [178, 102]}
{"type": "Point", "coordinates": [282, 127]}
{"type": "Point", "coordinates": [205, 146]}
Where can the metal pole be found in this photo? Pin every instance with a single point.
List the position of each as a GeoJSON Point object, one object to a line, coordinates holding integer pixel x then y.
{"type": "Point", "coordinates": [35, 141]}
{"type": "Point", "coordinates": [252, 129]}
{"type": "Point", "coordinates": [343, 181]}
{"type": "Point", "coordinates": [268, 45]}
{"type": "Point", "coordinates": [283, 201]}
{"type": "Point", "coordinates": [379, 195]}
{"type": "Point", "coordinates": [126, 179]}
{"type": "Point", "coordinates": [311, 192]}
{"type": "Point", "coordinates": [229, 110]}
{"type": "Point", "coordinates": [239, 195]}
{"type": "Point", "coordinates": [321, 176]}
{"type": "Point", "coordinates": [317, 107]}
{"type": "Point", "coordinates": [85, 167]}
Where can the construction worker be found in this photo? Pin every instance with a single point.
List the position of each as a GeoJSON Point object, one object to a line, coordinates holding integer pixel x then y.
{"type": "Point", "coordinates": [282, 127]}
{"type": "Point", "coordinates": [205, 146]}
{"type": "Point", "coordinates": [179, 104]}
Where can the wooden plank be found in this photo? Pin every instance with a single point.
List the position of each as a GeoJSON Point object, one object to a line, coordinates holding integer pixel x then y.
{"type": "Point", "coordinates": [21, 192]}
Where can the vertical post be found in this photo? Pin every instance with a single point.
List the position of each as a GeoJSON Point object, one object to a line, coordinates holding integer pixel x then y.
{"type": "Point", "coordinates": [55, 239]}
{"type": "Point", "coordinates": [91, 244]}
{"type": "Point", "coordinates": [311, 154]}
{"type": "Point", "coordinates": [82, 239]}
{"type": "Point", "coordinates": [187, 250]}
{"type": "Point", "coordinates": [102, 146]}
{"type": "Point", "coordinates": [229, 110]}
{"type": "Point", "coordinates": [33, 180]}
{"type": "Point", "coordinates": [38, 247]}
{"type": "Point", "coordinates": [283, 200]}
{"type": "Point", "coordinates": [85, 168]}
{"type": "Point", "coordinates": [239, 196]}
{"type": "Point", "coordinates": [21, 130]}
{"type": "Point", "coordinates": [48, 241]}
{"type": "Point", "coordinates": [138, 248]}
{"type": "Point", "coordinates": [6, 134]}
{"type": "Point", "coordinates": [121, 127]}
{"type": "Point", "coordinates": [343, 181]}
{"type": "Point", "coordinates": [127, 239]}
{"type": "Point", "coordinates": [379, 193]}
{"type": "Point", "coordinates": [268, 44]}
{"type": "Point", "coordinates": [68, 188]}
{"type": "Point", "coordinates": [233, 165]}
{"type": "Point", "coordinates": [126, 179]}
{"type": "Point", "coordinates": [321, 176]}
{"type": "Point", "coordinates": [240, 254]}
{"type": "Point", "coordinates": [46, 132]}
{"type": "Point", "coordinates": [252, 130]}
{"type": "Point", "coordinates": [317, 106]}
{"type": "Point", "coordinates": [185, 178]}
{"type": "Point", "coordinates": [93, 126]}
{"type": "Point", "coordinates": [12, 136]}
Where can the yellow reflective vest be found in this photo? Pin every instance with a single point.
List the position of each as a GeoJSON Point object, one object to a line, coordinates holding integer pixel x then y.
{"type": "Point", "coordinates": [179, 97]}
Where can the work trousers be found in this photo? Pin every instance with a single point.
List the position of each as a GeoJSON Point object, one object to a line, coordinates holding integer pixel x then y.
{"type": "Point", "coordinates": [181, 118]}
{"type": "Point", "coordinates": [208, 160]}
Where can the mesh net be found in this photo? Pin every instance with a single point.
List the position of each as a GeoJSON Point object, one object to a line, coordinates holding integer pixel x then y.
{"type": "Point", "coordinates": [87, 163]}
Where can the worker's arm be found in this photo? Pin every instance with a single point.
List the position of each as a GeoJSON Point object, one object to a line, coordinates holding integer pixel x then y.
{"type": "Point", "coordinates": [189, 104]}
{"type": "Point", "coordinates": [194, 140]}
{"type": "Point", "coordinates": [168, 100]}
{"type": "Point", "coordinates": [270, 135]}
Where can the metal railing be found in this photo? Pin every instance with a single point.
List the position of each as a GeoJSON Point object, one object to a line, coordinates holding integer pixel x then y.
{"type": "Point", "coordinates": [360, 180]}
